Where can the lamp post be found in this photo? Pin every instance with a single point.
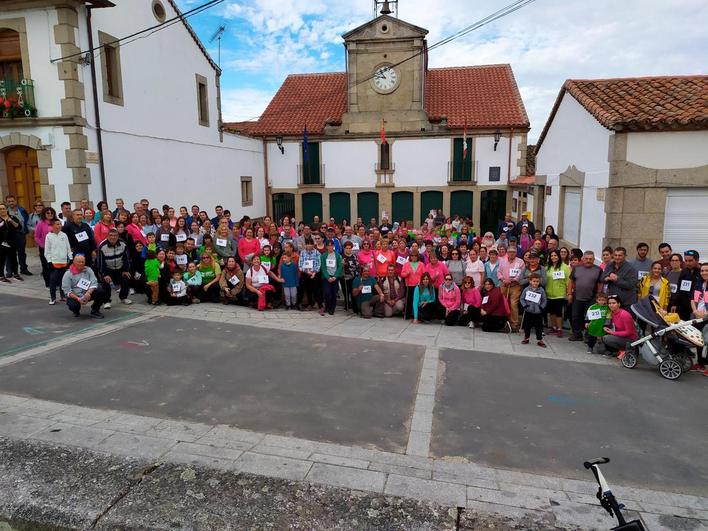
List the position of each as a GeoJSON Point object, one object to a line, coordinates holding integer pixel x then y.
{"type": "Point", "coordinates": [497, 137]}
{"type": "Point", "coordinates": [281, 147]}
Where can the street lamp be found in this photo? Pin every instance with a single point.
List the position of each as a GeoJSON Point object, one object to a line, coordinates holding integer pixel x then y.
{"type": "Point", "coordinates": [281, 147]}
{"type": "Point", "coordinates": [497, 137]}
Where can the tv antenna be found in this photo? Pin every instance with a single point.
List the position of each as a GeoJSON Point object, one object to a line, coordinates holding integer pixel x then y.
{"type": "Point", "coordinates": [217, 37]}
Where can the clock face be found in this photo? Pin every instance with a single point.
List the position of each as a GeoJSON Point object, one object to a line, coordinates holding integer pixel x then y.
{"type": "Point", "coordinates": [385, 79]}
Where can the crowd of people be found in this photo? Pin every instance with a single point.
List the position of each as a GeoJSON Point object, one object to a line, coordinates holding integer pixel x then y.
{"type": "Point", "coordinates": [519, 279]}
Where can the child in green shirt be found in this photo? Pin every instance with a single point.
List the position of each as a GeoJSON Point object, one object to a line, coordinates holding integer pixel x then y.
{"type": "Point", "coordinates": [595, 320]}
{"type": "Point", "coordinates": [152, 276]}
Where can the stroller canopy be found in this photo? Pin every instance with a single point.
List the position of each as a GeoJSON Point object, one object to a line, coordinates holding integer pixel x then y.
{"type": "Point", "coordinates": [645, 310]}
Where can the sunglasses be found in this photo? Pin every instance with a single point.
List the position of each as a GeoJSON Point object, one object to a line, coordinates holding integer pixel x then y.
{"type": "Point", "coordinates": [448, 278]}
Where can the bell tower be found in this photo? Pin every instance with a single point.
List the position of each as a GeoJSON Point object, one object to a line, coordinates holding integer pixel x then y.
{"type": "Point", "coordinates": [386, 63]}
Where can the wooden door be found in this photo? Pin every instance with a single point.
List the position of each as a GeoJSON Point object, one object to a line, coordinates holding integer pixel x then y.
{"type": "Point", "coordinates": [23, 178]}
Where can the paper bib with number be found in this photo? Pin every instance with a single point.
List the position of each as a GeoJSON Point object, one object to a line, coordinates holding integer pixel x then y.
{"type": "Point", "coordinates": [182, 237]}
{"type": "Point", "coordinates": [84, 284]}
{"type": "Point", "coordinates": [234, 280]}
{"type": "Point", "coordinates": [165, 237]}
{"type": "Point", "coordinates": [514, 272]}
{"type": "Point", "coordinates": [308, 264]}
{"type": "Point", "coordinates": [221, 242]}
{"type": "Point", "coordinates": [266, 266]}
{"type": "Point", "coordinates": [642, 274]}
{"type": "Point", "coordinates": [366, 289]}
{"type": "Point", "coordinates": [686, 285]}
{"type": "Point", "coordinates": [331, 262]}
{"type": "Point", "coordinates": [355, 246]}
{"type": "Point", "coordinates": [594, 315]}
{"type": "Point", "coordinates": [81, 236]}
{"type": "Point", "coordinates": [381, 258]}
{"type": "Point", "coordinates": [181, 259]}
{"type": "Point", "coordinates": [485, 300]}
{"type": "Point", "coordinates": [401, 260]}
{"type": "Point", "coordinates": [558, 275]}
{"type": "Point", "coordinates": [673, 287]}
{"type": "Point", "coordinates": [532, 296]}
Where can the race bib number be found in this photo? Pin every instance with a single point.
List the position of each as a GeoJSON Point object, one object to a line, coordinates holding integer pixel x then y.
{"type": "Point", "coordinates": [81, 236]}
{"type": "Point", "coordinates": [485, 300]}
{"type": "Point", "coordinates": [84, 284]}
{"type": "Point", "coordinates": [594, 315]}
{"type": "Point", "coordinates": [181, 237]}
{"type": "Point", "coordinates": [308, 264]}
{"type": "Point", "coordinates": [558, 275]}
{"type": "Point", "coordinates": [506, 229]}
{"type": "Point", "coordinates": [465, 306]}
{"type": "Point", "coordinates": [401, 260]}
{"type": "Point", "coordinates": [685, 285]}
{"type": "Point", "coordinates": [674, 288]}
{"type": "Point", "coordinates": [266, 266]}
{"type": "Point", "coordinates": [642, 274]}
{"type": "Point", "coordinates": [181, 259]}
{"type": "Point", "coordinates": [331, 262]}
{"type": "Point", "coordinates": [137, 276]}
{"type": "Point", "coordinates": [234, 280]}
{"type": "Point", "coordinates": [366, 289]}
{"type": "Point", "coordinates": [381, 259]}
{"type": "Point", "coordinates": [355, 246]}
{"type": "Point", "coordinates": [221, 242]}
{"type": "Point", "coordinates": [164, 237]}
{"type": "Point", "coordinates": [514, 272]}
{"type": "Point", "coordinates": [532, 296]}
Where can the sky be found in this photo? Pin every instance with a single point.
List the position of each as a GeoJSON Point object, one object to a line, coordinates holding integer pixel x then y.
{"type": "Point", "coordinates": [546, 42]}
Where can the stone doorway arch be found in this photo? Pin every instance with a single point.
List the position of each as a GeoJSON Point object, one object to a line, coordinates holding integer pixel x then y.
{"type": "Point", "coordinates": [44, 162]}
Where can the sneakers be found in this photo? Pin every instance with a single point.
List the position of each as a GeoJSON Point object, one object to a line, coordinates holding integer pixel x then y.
{"type": "Point", "coordinates": [96, 314]}
{"type": "Point", "coordinates": [131, 291]}
{"type": "Point", "coordinates": [525, 341]}
{"type": "Point", "coordinates": [27, 272]}
{"type": "Point", "coordinates": [559, 332]}
{"type": "Point", "coordinates": [52, 302]}
{"type": "Point", "coordinates": [697, 368]}
{"type": "Point", "coordinates": [107, 306]}
{"type": "Point", "coordinates": [126, 301]}
{"type": "Point", "coordinates": [322, 312]}
{"type": "Point", "coordinates": [541, 344]}
{"type": "Point", "coordinates": [705, 373]}
{"type": "Point", "coordinates": [589, 350]}
{"type": "Point", "coordinates": [575, 338]}
{"type": "Point", "coordinates": [471, 325]}
{"type": "Point", "coordinates": [18, 277]}
{"type": "Point", "coordinates": [5, 279]}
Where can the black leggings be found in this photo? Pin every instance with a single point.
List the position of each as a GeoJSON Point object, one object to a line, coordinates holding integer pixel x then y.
{"type": "Point", "coordinates": [472, 315]}
{"type": "Point", "coordinates": [493, 323]}
{"type": "Point", "coordinates": [452, 318]}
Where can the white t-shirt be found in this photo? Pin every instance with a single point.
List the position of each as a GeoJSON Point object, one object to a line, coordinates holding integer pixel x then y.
{"type": "Point", "coordinates": [475, 270]}
{"type": "Point", "coordinates": [258, 278]}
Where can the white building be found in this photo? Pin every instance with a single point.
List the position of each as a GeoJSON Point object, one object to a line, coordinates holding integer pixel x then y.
{"type": "Point", "coordinates": [621, 161]}
{"type": "Point", "coordinates": [137, 118]}
{"type": "Point", "coordinates": [348, 172]}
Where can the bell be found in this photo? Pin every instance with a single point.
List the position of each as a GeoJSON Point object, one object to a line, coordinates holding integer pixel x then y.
{"type": "Point", "coordinates": [386, 10]}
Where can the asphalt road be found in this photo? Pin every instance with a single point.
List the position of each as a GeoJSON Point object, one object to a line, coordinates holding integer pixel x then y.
{"type": "Point", "coordinates": [549, 416]}
{"type": "Point", "coordinates": [312, 386]}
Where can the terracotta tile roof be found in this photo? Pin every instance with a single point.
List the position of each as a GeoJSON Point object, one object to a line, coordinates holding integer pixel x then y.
{"type": "Point", "coordinates": [641, 103]}
{"type": "Point", "coordinates": [485, 97]}
{"type": "Point", "coordinates": [523, 180]}
{"type": "Point", "coordinates": [241, 127]}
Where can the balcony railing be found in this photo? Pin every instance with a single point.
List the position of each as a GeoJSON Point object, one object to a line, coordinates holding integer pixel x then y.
{"type": "Point", "coordinates": [459, 177]}
{"type": "Point", "coordinates": [307, 179]}
{"type": "Point", "coordinates": [17, 98]}
{"type": "Point", "coordinates": [384, 173]}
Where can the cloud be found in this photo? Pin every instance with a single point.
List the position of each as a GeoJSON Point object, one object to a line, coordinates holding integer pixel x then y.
{"type": "Point", "coordinates": [546, 42]}
{"type": "Point", "coordinates": [244, 103]}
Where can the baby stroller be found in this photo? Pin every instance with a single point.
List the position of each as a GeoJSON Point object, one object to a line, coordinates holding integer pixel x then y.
{"type": "Point", "coordinates": [667, 346]}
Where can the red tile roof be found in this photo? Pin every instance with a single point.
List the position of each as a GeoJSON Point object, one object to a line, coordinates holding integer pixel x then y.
{"type": "Point", "coordinates": [485, 97]}
{"type": "Point", "coordinates": [241, 127]}
{"type": "Point", "coordinates": [640, 103]}
{"type": "Point", "coordinates": [523, 180]}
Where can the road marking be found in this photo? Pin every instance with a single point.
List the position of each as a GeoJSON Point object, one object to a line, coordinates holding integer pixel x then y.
{"type": "Point", "coordinates": [33, 331]}
{"type": "Point", "coordinates": [50, 344]}
{"type": "Point", "coordinates": [421, 427]}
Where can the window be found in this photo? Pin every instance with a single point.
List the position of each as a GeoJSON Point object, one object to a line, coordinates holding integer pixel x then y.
{"type": "Point", "coordinates": [571, 214]}
{"type": "Point", "coordinates": [202, 101]}
{"type": "Point", "coordinates": [461, 169]}
{"type": "Point", "coordinates": [311, 163]}
{"type": "Point", "coordinates": [494, 174]}
{"type": "Point", "coordinates": [110, 69]}
{"type": "Point", "coordinates": [246, 191]}
{"type": "Point", "coordinates": [158, 10]}
{"type": "Point", "coordinates": [385, 156]}
{"type": "Point", "coordinates": [10, 56]}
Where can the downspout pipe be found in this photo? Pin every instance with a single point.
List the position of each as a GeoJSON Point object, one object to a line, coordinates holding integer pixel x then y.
{"type": "Point", "coordinates": [99, 132]}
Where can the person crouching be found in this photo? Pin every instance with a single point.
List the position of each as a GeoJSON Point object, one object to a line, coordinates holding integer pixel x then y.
{"type": "Point", "coordinates": [81, 287]}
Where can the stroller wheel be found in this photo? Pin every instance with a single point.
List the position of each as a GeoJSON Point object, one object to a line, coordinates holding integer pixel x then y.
{"type": "Point", "coordinates": [629, 360]}
{"type": "Point", "coordinates": [670, 369]}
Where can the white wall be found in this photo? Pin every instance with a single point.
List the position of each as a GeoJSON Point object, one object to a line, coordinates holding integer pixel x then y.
{"type": "Point", "coordinates": [351, 164]}
{"type": "Point", "coordinates": [487, 157]}
{"type": "Point", "coordinates": [575, 138]}
{"type": "Point", "coordinates": [668, 149]}
{"type": "Point", "coordinates": [282, 168]}
{"type": "Point", "coordinates": [421, 162]}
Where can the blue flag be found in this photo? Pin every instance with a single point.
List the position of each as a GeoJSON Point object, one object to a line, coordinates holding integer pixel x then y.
{"type": "Point", "coordinates": [305, 150]}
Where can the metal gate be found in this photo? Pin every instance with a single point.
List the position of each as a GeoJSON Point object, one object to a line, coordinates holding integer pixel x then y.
{"type": "Point", "coordinates": [283, 205]}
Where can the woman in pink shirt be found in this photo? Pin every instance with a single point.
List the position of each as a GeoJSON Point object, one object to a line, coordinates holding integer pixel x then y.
{"type": "Point", "coordinates": [100, 229]}
{"type": "Point", "coordinates": [366, 256]}
{"type": "Point", "coordinates": [411, 272]}
{"type": "Point", "coordinates": [622, 330]}
{"type": "Point", "coordinates": [383, 257]}
{"type": "Point", "coordinates": [402, 253]}
{"type": "Point", "coordinates": [449, 298]}
{"type": "Point", "coordinates": [471, 303]}
{"type": "Point", "coordinates": [437, 270]}
{"type": "Point", "coordinates": [248, 247]}
{"type": "Point", "coordinates": [43, 227]}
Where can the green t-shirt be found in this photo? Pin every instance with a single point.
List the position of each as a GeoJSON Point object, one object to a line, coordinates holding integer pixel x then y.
{"type": "Point", "coordinates": [595, 328]}
{"type": "Point", "coordinates": [363, 297]}
{"type": "Point", "coordinates": [152, 269]}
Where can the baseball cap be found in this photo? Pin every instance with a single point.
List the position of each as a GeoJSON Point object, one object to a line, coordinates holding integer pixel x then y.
{"type": "Point", "coordinates": [692, 253]}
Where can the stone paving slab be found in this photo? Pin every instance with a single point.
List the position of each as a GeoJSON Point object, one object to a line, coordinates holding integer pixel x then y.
{"type": "Point", "coordinates": [540, 414]}
{"type": "Point", "coordinates": [560, 502]}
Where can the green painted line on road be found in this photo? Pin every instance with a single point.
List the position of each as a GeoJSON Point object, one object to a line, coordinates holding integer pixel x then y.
{"type": "Point", "coordinates": [42, 342]}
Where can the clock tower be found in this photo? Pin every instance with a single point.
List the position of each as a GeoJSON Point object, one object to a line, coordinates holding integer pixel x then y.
{"type": "Point", "coordinates": [386, 66]}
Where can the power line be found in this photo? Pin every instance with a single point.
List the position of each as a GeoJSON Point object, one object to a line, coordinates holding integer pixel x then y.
{"type": "Point", "coordinates": [504, 11]}
{"type": "Point", "coordinates": [151, 29]}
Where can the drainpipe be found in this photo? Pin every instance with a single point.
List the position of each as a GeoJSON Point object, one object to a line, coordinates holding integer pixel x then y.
{"type": "Point", "coordinates": [99, 136]}
{"type": "Point", "coordinates": [265, 177]}
{"type": "Point", "coordinates": [509, 199]}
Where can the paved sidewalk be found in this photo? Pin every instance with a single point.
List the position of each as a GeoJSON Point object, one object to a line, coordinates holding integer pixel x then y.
{"type": "Point", "coordinates": [454, 482]}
